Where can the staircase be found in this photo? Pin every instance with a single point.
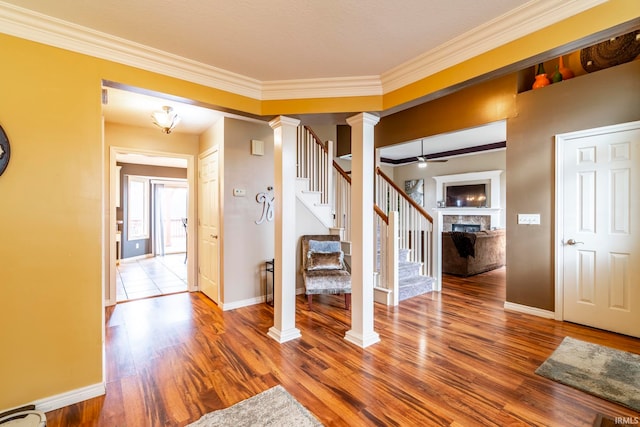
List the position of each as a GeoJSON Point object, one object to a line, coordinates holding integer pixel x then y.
{"type": "Point", "coordinates": [410, 282]}
{"type": "Point", "coordinates": [313, 201]}
{"type": "Point", "coordinates": [325, 188]}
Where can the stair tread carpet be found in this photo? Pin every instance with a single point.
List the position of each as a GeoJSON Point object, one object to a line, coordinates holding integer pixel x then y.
{"type": "Point", "coordinates": [413, 286]}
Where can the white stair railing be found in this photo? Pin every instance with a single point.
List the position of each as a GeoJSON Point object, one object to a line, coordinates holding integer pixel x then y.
{"type": "Point", "coordinates": [386, 290]}
{"type": "Point", "coordinates": [314, 159]}
{"type": "Point", "coordinates": [415, 225]}
{"type": "Point", "coordinates": [342, 201]}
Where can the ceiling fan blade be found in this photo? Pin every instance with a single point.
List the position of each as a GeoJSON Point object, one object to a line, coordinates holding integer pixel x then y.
{"type": "Point", "coordinates": [436, 160]}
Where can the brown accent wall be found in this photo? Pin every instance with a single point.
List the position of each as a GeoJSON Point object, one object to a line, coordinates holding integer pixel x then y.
{"type": "Point", "coordinates": [603, 98]}
{"type": "Point", "coordinates": [477, 105]}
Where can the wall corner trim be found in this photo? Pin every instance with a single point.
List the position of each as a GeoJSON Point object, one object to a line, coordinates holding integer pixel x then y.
{"type": "Point", "coordinates": [70, 397]}
{"type": "Point", "coordinates": [511, 306]}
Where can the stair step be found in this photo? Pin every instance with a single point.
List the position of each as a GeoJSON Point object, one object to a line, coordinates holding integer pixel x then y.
{"type": "Point", "coordinates": [302, 184]}
{"type": "Point", "coordinates": [414, 286]}
{"type": "Point", "coordinates": [403, 254]}
{"type": "Point", "coordinates": [313, 197]}
{"type": "Point", "coordinates": [408, 269]}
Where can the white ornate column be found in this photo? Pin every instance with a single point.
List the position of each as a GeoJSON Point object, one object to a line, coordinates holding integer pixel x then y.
{"type": "Point", "coordinates": [362, 244]}
{"type": "Point", "coordinates": [284, 301]}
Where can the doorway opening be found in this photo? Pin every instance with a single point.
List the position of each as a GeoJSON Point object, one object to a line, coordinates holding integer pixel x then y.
{"type": "Point", "coordinates": [152, 220]}
{"type": "Point", "coordinates": [152, 199]}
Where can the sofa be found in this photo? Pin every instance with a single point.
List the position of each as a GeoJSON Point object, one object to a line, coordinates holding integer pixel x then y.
{"type": "Point", "coordinates": [466, 254]}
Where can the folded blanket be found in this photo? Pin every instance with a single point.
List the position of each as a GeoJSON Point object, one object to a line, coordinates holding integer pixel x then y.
{"type": "Point", "coordinates": [465, 243]}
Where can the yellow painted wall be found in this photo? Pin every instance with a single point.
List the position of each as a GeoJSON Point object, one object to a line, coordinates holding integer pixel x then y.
{"type": "Point", "coordinates": [50, 223]}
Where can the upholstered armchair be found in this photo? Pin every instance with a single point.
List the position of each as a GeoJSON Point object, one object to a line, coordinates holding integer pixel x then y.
{"type": "Point", "coordinates": [323, 268]}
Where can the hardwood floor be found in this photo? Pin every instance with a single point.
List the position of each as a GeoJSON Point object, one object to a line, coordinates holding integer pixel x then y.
{"type": "Point", "coordinates": [454, 358]}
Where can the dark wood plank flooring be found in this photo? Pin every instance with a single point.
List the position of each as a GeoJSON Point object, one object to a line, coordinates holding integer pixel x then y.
{"type": "Point", "coordinates": [454, 358]}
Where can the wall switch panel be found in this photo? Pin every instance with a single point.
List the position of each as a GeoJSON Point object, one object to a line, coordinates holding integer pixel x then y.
{"type": "Point", "coordinates": [530, 219]}
{"type": "Point", "coordinates": [257, 147]}
{"type": "Point", "coordinates": [239, 192]}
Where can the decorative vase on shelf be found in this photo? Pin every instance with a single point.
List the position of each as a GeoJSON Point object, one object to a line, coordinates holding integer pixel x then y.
{"type": "Point", "coordinates": [566, 72]}
{"type": "Point", "coordinates": [541, 78]}
{"type": "Point", "coordinates": [557, 76]}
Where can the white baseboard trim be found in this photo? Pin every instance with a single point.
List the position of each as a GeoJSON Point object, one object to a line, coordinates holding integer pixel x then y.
{"type": "Point", "coordinates": [70, 397]}
{"type": "Point", "coordinates": [382, 295]}
{"type": "Point", "coordinates": [529, 310]}
{"type": "Point", "coordinates": [251, 301]}
{"type": "Point", "coordinates": [242, 303]}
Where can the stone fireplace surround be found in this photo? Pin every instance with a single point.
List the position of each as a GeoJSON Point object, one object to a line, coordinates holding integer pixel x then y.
{"type": "Point", "coordinates": [483, 221]}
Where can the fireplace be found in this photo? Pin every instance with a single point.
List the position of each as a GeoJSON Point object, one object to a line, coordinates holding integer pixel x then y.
{"type": "Point", "coordinates": [487, 215]}
{"type": "Point", "coordinates": [470, 222]}
{"type": "Point", "coordinates": [467, 228]}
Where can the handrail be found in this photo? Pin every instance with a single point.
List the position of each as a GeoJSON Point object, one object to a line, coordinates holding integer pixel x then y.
{"type": "Point", "coordinates": [341, 171]}
{"type": "Point", "coordinates": [404, 195]}
{"type": "Point", "coordinates": [317, 139]}
{"type": "Point", "coordinates": [342, 200]}
{"type": "Point", "coordinates": [381, 214]}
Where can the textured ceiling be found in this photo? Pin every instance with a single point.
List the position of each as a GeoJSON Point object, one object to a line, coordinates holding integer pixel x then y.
{"type": "Point", "coordinates": [283, 39]}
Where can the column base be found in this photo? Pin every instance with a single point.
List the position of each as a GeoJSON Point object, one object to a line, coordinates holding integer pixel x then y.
{"type": "Point", "coordinates": [362, 340]}
{"type": "Point", "coordinates": [284, 336]}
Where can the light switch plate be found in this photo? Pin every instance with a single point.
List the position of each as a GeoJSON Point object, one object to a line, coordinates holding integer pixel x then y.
{"type": "Point", "coordinates": [257, 147]}
{"type": "Point", "coordinates": [531, 219]}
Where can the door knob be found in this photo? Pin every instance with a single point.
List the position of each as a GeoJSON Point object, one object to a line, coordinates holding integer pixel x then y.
{"type": "Point", "coordinates": [572, 242]}
{"type": "Point", "coordinates": [213, 236]}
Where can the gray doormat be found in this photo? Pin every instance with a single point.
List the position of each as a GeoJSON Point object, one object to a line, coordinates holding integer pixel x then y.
{"type": "Point", "coordinates": [611, 374]}
{"type": "Point", "coordinates": [273, 407]}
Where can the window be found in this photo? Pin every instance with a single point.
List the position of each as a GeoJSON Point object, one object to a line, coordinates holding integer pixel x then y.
{"type": "Point", "coordinates": [138, 208]}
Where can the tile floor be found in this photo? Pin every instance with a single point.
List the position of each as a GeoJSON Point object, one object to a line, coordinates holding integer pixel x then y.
{"type": "Point", "coordinates": [149, 277]}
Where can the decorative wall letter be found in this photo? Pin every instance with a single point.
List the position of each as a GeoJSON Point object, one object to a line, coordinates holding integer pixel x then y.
{"type": "Point", "coordinates": [267, 206]}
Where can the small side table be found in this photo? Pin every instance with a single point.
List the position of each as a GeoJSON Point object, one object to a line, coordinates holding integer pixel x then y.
{"type": "Point", "coordinates": [269, 267]}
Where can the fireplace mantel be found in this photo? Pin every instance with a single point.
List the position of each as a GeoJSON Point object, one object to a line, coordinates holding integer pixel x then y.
{"type": "Point", "coordinates": [468, 211]}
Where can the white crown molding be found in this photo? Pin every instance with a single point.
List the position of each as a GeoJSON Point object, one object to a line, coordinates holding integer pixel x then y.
{"type": "Point", "coordinates": [519, 22]}
{"type": "Point", "coordinates": [44, 29]}
{"type": "Point", "coordinates": [321, 88]}
{"type": "Point", "coordinates": [526, 19]}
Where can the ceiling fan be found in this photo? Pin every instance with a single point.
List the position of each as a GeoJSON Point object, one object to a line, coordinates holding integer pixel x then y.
{"type": "Point", "coordinates": [423, 160]}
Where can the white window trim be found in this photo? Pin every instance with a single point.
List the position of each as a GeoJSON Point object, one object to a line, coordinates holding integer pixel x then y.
{"type": "Point", "coordinates": [145, 209]}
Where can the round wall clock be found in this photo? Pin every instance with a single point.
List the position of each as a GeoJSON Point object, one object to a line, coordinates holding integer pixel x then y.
{"type": "Point", "coordinates": [5, 150]}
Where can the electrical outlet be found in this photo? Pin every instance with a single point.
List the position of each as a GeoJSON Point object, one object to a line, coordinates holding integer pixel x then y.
{"type": "Point", "coordinates": [137, 245]}
{"type": "Point", "coordinates": [239, 192]}
{"type": "Point", "coordinates": [530, 219]}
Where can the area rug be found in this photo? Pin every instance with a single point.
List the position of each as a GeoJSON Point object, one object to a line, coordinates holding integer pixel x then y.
{"type": "Point", "coordinates": [602, 371]}
{"type": "Point", "coordinates": [274, 407]}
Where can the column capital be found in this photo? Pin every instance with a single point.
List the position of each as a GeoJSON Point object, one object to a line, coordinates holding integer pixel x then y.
{"type": "Point", "coordinates": [283, 121]}
{"type": "Point", "coordinates": [364, 118]}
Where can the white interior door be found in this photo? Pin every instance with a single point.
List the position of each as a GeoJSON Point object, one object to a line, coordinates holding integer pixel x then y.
{"type": "Point", "coordinates": [599, 220]}
{"type": "Point", "coordinates": [208, 226]}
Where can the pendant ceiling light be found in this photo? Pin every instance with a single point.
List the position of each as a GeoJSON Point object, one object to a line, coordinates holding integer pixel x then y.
{"type": "Point", "coordinates": [166, 119]}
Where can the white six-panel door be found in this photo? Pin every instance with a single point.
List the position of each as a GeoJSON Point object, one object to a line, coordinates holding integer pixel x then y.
{"type": "Point", "coordinates": [598, 259]}
{"type": "Point", "coordinates": [208, 226]}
